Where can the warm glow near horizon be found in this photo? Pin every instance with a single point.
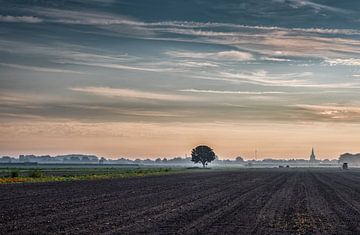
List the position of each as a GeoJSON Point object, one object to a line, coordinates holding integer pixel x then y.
{"type": "Point", "coordinates": [139, 80]}
{"type": "Point", "coordinates": [133, 140]}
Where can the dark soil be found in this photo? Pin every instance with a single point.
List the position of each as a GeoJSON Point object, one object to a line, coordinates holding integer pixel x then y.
{"type": "Point", "coordinates": [272, 201]}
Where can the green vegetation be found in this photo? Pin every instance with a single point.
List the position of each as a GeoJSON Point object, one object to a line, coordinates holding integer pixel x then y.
{"type": "Point", "coordinates": [31, 175]}
{"type": "Point", "coordinates": [37, 173]}
{"type": "Point", "coordinates": [14, 173]}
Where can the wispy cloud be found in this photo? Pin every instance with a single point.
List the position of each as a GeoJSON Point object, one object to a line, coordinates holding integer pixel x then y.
{"type": "Point", "coordinates": [40, 69]}
{"type": "Point", "coordinates": [195, 64]}
{"type": "Point", "coordinates": [263, 78]}
{"type": "Point", "coordinates": [123, 66]}
{"type": "Point", "coordinates": [64, 52]}
{"type": "Point", "coordinates": [131, 94]}
{"type": "Point", "coordinates": [20, 19]}
{"type": "Point", "coordinates": [222, 55]}
{"type": "Point", "coordinates": [335, 112]}
{"type": "Point", "coordinates": [274, 42]}
{"type": "Point", "coordinates": [103, 19]}
{"type": "Point", "coordinates": [276, 59]}
{"type": "Point", "coordinates": [233, 92]}
{"type": "Point", "coordinates": [315, 6]}
{"type": "Point", "coordinates": [86, 56]}
{"type": "Point", "coordinates": [343, 61]}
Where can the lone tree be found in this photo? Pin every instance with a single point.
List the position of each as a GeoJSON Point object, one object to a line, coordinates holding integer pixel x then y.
{"type": "Point", "coordinates": [203, 154]}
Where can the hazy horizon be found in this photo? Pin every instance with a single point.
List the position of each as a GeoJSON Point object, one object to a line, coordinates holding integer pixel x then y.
{"type": "Point", "coordinates": [256, 155]}
{"type": "Point", "coordinates": [155, 79]}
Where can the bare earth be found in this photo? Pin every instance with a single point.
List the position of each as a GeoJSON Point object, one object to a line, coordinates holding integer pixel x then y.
{"type": "Point", "coordinates": [272, 201]}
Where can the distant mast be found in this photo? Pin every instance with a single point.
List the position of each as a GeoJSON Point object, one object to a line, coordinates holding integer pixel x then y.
{"type": "Point", "coordinates": [312, 156]}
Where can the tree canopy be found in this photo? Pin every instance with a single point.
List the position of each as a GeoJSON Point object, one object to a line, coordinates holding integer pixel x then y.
{"type": "Point", "coordinates": [202, 154]}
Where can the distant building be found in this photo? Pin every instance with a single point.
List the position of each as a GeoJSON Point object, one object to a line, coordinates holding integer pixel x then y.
{"type": "Point", "coordinates": [312, 156]}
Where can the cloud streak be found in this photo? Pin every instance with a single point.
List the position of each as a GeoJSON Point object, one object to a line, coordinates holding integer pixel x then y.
{"type": "Point", "coordinates": [316, 6]}
{"type": "Point", "coordinates": [40, 69]}
{"type": "Point", "coordinates": [131, 94]}
{"type": "Point", "coordinates": [343, 61]}
{"type": "Point", "coordinates": [123, 67]}
{"type": "Point", "coordinates": [222, 55]}
{"type": "Point", "coordinates": [335, 112]}
{"type": "Point", "coordinates": [20, 19]}
{"type": "Point", "coordinates": [233, 92]}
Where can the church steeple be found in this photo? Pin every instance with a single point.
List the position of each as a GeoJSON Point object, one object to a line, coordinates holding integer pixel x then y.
{"type": "Point", "coordinates": [312, 156]}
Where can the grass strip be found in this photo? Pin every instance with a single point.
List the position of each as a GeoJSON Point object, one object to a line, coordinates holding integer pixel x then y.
{"type": "Point", "coordinates": [37, 178]}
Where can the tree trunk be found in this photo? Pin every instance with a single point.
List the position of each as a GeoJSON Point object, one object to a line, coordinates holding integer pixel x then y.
{"type": "Point", "coordinates": [203, 164]}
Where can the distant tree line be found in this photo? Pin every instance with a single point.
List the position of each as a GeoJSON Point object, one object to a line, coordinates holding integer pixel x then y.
{"type": "Point", "coordinates": [352, 159]}
{"type": "Point", "coordinates": [80, 158]}
{"type": "Point", "coordinates": [70, 158]}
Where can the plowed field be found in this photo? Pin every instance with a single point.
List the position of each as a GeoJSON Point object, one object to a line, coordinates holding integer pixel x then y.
{"type": "Point", "coordinates": [263, 201]}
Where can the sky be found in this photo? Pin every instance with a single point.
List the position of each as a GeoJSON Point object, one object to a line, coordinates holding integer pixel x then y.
{"type": "Point", "coordinates": [148, 79]}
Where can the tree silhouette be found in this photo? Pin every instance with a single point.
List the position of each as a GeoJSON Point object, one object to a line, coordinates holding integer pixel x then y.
{"type": "Point", "coordinates": [203, 154]}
